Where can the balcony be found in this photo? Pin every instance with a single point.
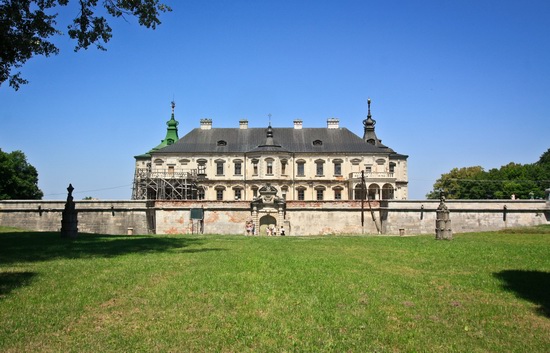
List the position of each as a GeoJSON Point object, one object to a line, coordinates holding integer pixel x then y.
{"type": "Point", "coordinates": [373, 175]}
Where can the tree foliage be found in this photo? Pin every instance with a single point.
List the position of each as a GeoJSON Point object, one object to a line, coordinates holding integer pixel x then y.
{"type": "Point", "coordinates": [26, 27]}
{"type": "Point", "coordinates": [522, 181]}
{"type": "Point", "coordinates": [18, 179]}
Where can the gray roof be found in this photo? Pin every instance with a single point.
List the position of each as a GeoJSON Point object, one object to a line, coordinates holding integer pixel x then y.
{"type": "Point", "coordinates": [238, 140]}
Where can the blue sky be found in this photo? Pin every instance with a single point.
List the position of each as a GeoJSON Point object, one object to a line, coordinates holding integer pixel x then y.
{"type": "Point", "coordinates": [453, 84]}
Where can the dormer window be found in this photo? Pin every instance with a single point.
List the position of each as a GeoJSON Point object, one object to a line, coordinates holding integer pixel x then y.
{"type": "Point", "coordinates": [222, 143]}
{"type": "Point", "coordinates": [317, 143]}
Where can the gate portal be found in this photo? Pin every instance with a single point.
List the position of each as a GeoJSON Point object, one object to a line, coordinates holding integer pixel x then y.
{"type": "Point", "coordinates": [267, 209]}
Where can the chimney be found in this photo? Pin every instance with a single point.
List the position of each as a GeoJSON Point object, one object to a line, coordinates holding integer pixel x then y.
{"type": "Point", "coordinates": [206, 124]}
{"type": "Point", "coordinates": [298, 124]}
{"type": "Point", "coordinates": [333, 123]}
{"type": "Point", "coordinates": [243, 124]}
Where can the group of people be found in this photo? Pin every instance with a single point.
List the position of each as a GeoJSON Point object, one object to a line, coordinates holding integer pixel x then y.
{"type": "Point", "coordinates": [270, 229]}
{"type": "Point", "coordinates": [250, 228]}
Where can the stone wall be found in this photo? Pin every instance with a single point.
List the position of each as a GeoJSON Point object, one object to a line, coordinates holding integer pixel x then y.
{"type": "Point", "coordinates": [105, 217]}
{"type": "Point", "coordinates": [394, 217]}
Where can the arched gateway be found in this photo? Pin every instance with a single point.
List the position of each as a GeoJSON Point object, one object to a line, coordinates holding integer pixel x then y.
{"type": "Point", "coordinates": [267, 209]}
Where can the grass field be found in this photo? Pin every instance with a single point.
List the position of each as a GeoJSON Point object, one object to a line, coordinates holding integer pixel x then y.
{"type": "Point", "coordinates": [482, 292]}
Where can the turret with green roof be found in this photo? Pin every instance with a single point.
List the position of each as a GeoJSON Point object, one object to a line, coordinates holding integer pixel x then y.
{"type": "Point", "coordinates": [171, 135]}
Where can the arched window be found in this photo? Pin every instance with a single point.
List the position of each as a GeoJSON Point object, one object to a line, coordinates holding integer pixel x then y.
{"type": "Point", "coordinates": [359, 192]}
{"type": "Point", "coordinates": [387, 192]}
{"type": "Point", "coordinates": [374, 192]}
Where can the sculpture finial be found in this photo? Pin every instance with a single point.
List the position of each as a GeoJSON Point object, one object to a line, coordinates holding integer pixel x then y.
{"type": "Point", "coordinates": [368, 104]}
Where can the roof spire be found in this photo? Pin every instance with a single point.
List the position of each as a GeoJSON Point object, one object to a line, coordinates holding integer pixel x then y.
{"type": "Point", "coordinates": [368, 103]}
{"type": "Point", "coordinates": [171, 131]}
{"type": "Point", "coordinates": [368, 123]}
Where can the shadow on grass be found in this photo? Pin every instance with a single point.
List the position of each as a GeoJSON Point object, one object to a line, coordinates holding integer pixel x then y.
{"type": "Point", "coordinates": [12, 280]}
{"type": "Point", "coordinates": [16, 247]}
{"type": "Point", "coordinates": [531, 285]}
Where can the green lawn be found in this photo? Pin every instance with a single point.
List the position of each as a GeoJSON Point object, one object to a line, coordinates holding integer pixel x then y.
{"type": "Point", "coordinates": [483, 292]}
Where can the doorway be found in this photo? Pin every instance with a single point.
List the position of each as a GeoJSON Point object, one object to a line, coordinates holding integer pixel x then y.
{"type": "Point", "coordinates": [267, 221]}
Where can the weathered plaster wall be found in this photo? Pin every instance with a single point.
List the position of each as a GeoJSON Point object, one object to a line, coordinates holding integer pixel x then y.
{"type": "Point", "coordinates": [301, 217]}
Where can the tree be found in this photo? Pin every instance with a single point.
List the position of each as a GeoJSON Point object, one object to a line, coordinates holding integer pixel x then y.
{"type": "Point", "coordinates": [18, 179]}
{"type": "Point", "coordinates": [523, 181]}
{"type": "Point", "coordinates": [27, 25]}
{"type": "Point", "coordinates": [544, 159]}
{"type": "Point", "coordinates": [453, 185]}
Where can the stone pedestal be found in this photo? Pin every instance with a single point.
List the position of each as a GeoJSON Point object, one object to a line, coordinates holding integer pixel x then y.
{"type": "Point", "coordinates": [69, 219]}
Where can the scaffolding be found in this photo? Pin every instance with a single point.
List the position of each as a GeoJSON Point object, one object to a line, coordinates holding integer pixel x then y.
{"type": "Point", "coordinates": [164, 185]}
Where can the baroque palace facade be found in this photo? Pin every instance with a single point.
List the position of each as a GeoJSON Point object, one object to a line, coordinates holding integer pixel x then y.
{"type": "Point", "coordinates": [298, 163]}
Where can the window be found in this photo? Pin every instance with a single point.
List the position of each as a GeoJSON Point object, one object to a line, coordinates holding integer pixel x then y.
{"type": "Point", "coordinates": [301, 194]}
{"type": "Point", "coordinates": [255, 166]}
{"type": "Point", "coordinates": [368, 169]}
{"type": "Point", "coordinates": [392, 167]}
{"type": "Point", "coordinates": [200, 193]}
{"type": "Point", "coordinates": [219, 167]}
{"type": "Point", "coordinates": [269, 167]}
{"type": "Point", "coordinates": [301, 168]}
{"type": "Point", "coordinates": [319, 167]}
{"type": "Point", "coordinates": [337, 168]}
{"type": "Point", "coordinates": [283, 167]}
{"type": "Point", "coordinates": [320, 193]}
{"type": "Point", "coordinates": [171, 170]}
{"type": "Point", "coordinates": [221, 143]}
{"type": "Point", "coordinates": [219, 193]}
{"type": "Point", "coordinates": [337, 194]}
{"type": "Point", "coordinates": [360, 192]}
{"type": "Point", "coordinates": [255, 192]}
{"type": "Point", "coordinates": [317, 143]}
{"type": "Point", "coordinates": [238, 168]}
{"type": "Point", "coordinates": [201, 168]}
{"type": "Point", "coordinates": [238, 194]}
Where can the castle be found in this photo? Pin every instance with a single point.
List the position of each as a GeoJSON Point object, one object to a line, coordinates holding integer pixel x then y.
{"type": "Point", "coordinates": [298, 164]}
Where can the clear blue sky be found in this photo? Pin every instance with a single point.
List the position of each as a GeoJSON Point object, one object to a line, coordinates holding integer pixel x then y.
{"type": "Point", "coordinates": [453, 84]}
